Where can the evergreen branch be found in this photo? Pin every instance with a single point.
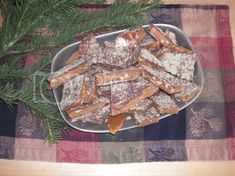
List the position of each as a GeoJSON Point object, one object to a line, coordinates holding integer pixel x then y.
{"type": "Point", "coordinates": [53, 123]}
{"type": "Point", "coordinates": [8, 70]}
{"type": "Point", "coordinates": [31, 13]}
{"type": "Point", "coordinates": [85, 2]}
{"type": "Point", "coordinates": [13, 70]}
{"type": "Point", "coordinates": [119, 14]}
{"type": "Point", "coordinates": [23, 19]}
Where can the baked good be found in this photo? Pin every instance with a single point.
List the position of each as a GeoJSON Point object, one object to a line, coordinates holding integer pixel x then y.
{"type": "Point", "coordinates": [73, 93]}
{"type": "Point", "coordinates": [123, 75]}
{"type": "Point", "coordinates": [68, 72]}
{"type": "Point", "coordinates": [159, 35]}
{"type": "Point", "coordinates": [179, 64]}
{"type": "Point", "coordinates": [116, 122]}
{"type": "Point", "coordinates": [165, 104]}
{"type": "Point", "coordinates": [171, 36]}
{"type": "Point", "coordinates": [136, 75]}
{"type": "Point", "coordinates": [98, 116]}
{"type": "Point", "coordinates": [101, 106]}
{"type": "Point", "coordinates": [127, 94]}
{"type": "Point", "coordinates": [189, 90]}
{"type": "Point", "coordinates": [151, 46]}
{"type": "Point", "coordinates": [164, 80]}
{"type": "Point", "coordinates": [74, 57]}
{"type": "Point", "coordinates": [147, 118]}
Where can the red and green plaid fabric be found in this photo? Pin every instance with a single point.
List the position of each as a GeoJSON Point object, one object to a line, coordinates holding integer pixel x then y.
{"type": "Point", "coordinates": [205, 130]}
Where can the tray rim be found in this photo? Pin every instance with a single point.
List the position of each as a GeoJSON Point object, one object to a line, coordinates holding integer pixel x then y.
{"type": "Point", "coordinates": [116, 32]}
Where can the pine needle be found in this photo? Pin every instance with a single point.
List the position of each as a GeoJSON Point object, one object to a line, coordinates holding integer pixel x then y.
{"type": "Point", "coordinates": [21, 33]}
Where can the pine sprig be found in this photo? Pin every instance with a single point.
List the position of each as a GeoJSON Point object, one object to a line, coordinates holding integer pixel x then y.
{"type": "Point", "coordinates": [26, 16]}
{"type": "Point", "coordinates": [9, 72]}
{"type": "Point", "coordinates": [47, 113]}
{"type": "Point", "coordinates": [64, 20]}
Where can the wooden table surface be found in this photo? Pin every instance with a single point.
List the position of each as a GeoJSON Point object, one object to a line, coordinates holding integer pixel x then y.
{"type": "Point", "coordinates": [217, 168]}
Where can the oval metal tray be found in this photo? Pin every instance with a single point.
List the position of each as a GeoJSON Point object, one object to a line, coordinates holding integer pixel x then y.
{"type": "Point", "coordinates": [61, 57]}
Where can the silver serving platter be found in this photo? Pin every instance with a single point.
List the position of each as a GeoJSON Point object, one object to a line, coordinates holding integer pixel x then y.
{"type": "Point", "coordinates": [61, 57]}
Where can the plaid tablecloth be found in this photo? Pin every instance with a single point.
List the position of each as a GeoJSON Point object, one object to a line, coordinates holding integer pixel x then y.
{"type": "Point", "coordinates": [203, 131]}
